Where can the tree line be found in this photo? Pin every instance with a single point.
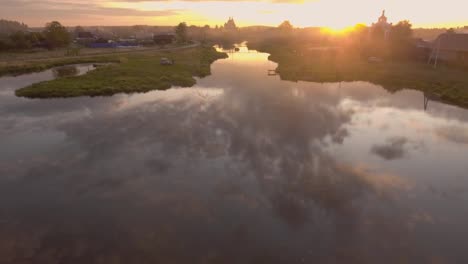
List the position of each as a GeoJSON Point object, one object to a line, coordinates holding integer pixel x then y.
{"type": "Point", "coordinates": [360, 40]}
{"type": "Point", "coordinates": [17, 36]}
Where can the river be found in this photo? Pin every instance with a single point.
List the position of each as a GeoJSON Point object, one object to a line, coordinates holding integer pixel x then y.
{"type": "Point", "coordinates": [241, 168]}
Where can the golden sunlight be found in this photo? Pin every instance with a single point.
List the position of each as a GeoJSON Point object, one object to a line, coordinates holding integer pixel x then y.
{"type": "Point", "coordinates": [334, 14]}
{"type": "Point", "coordinates": [301, 14]}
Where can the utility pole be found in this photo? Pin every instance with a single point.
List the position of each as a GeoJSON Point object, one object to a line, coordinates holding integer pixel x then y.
{"type": "Point", "coordinates": [435, 52]}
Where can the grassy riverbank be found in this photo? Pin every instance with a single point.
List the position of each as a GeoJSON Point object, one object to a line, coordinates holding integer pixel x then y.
{"type": "Point", "coordinates": [447, 84]}
{"type": "Point", "coordinates": [14, 63]}
{"type": "Point", "coordinates": [140, 72]}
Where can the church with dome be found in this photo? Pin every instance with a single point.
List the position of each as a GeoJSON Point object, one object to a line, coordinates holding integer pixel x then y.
{"type": "Point", "coordinates": [383, 25]}
{"type": "Point", "coordinates": [230, 24]}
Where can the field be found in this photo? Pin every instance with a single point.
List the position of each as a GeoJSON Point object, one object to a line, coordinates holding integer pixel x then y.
{"type": "Point", "coordinates": [134, 72]}
{"type": "Point", "coordinates": [14, 63]}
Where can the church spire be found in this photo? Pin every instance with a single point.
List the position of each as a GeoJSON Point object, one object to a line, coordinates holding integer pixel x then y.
{"type": "Point", "coordinates": [383, 18]}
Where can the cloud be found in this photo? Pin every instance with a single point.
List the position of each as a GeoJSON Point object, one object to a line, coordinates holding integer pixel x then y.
{"type": "Point", "coordinates": [266, 1]}
{"type": "Point", "coordinates": [455, 134]}
{"type": "Point", "coordinates": [237, 172]}
{"type": "Point", "coordinates": [32, 11]}
{"type": "Point", "coordinates": [393, 149]}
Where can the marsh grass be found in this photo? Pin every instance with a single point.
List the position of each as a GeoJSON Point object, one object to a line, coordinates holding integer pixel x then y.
{"type": "Point", "coordinates": [134, 73]}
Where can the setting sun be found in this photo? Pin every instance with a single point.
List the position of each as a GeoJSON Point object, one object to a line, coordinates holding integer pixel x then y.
{"type": "Point", "coordinates": [337, 31]}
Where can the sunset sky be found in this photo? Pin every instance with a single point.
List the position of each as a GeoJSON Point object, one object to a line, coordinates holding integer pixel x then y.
{"type": "Point", "coordinates": [329, 13]}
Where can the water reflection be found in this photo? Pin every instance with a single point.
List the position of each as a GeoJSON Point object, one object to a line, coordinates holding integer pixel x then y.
{"type": "Point", "coordinates": [65, 71]}
{"type": "Point", "coordinates": [242, 168]}
{"type": "Point", "coordinates": [394, 148]}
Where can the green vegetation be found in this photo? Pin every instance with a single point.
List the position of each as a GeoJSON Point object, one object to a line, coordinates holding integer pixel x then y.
{"type": "Point", "coordinates": [334, 65]}
{"type": "Point", "coordinates": [135, 73]}
{"type": "Point", "coordinates": [8, 27]}
{"type": "Point", "coordinates": [181, 33]}
{"type": "Point", "coordinates": [56, 35]}
{"type": "Point", "coordinates": [16, 37]}
{"type": "Point", "coordinates": [392, 60]}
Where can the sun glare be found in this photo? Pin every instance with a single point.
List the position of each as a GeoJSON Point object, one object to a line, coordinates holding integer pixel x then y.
{"type": "Point", "coordinates": [339, 31]}
{"type": "Point", "coordinates": [272, 13]}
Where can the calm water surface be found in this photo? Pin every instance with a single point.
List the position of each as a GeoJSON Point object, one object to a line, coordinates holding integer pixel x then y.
{"type": "Point", "coordinates": [241, 168]}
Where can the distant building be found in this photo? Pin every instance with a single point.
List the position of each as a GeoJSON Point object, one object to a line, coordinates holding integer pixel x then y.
{"type": "Point", "coordinates": [230, 24]}
{"type": "Point", "coordinates": [85, 38]}
{"type": "Point", "coordinates": [464, 30]}
{"type": "Point", "coordinates": [144, 35]}
{"type": "Point", "coordinates": [382, 25]}
{"type": "Point", "coordinates": [131, 40]}
{"type": "Point", "coordinates": [450, 47]}
{"type": "Point", "coordinates": [164, 39]}
{"type": "Point", "coordinates": [421, 43]}
{"type": "Point", "coordinates": [85, 35]}
{"type": "Point", "coordinates": [421, 49]}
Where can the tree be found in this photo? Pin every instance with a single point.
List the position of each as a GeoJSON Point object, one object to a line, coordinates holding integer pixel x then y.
{"type": "Point", "coordinates": [205, 30]}
{"type": "Point", "coordinates": [8, 27]}
{"type": "Point", "coordinates": [451, 31]}
{"type": "Point", "coordinates": [401, 40]}
{"type": "Point", "coordinates": [402, 31]}
{"type": "Point", "coordinates": [56, 35]}
{"type": "Point", "coordinates": [286, 26]}
{"type": "Point", "coordinates": [181, 32]}
{"type": "Point", "coordinates": [360, 28]}
{"type": "Point", "coordinates": [377, 33]}
{"type": "Point", "coordinates": [138, 28]}
{"type": "Point", "coordinates": [36, 38]}
{"type": "Point", "coordinates": [20, 40]}
{"type": "Point", "coordinates": [5, 44]}
{"type": "Point", "coordinates": [359, 36]}
{"type": "Point", "coordinates": [78, 30]}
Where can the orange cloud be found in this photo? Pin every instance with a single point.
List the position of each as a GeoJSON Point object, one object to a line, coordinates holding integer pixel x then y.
{"type": "Point", "coordinates": [327, 13]}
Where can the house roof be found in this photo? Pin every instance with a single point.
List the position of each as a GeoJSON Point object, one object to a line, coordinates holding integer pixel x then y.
{"type": "Point", "coordinates": [85, 35]}
{"type": "Point", "coordinates": [420, 43]}
{"type": "Point", "coordinates": [164, 36]}
{"type": "Point", "coordinates": [452, 41]}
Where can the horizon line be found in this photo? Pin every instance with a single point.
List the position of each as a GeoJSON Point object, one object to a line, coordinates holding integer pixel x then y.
{"type": "Point", "coordinates": [256, 25]}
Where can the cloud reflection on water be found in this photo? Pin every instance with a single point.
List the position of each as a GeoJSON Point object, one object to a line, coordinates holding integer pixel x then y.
{"type": "Point", "coordinates": [235, 172]}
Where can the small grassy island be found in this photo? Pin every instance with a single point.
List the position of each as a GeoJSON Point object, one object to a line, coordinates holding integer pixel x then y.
{"type": "Point", "coordinates": [448, 84]}
{"type": "Point", "coordinates": [134, 72]}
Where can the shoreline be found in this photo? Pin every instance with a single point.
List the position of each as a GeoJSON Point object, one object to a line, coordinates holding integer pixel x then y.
{"type": "Point", "coordinates": [27, 65]}
{"type": "Point", "coordinates": [135, 73]}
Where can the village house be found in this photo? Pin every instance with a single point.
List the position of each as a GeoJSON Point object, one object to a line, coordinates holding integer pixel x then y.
{"type": "Point", "coordinates": [85, 38]}
{"type": "Point", "coordinates": [164, 39]}
{"type": "Point", "coordinates": [421, 49]}
{"type": "Point", "coordinates": [450, 47]}
{"type": "Point", "coordinates": [464, 30]}
{"type": "Point", "coordinates": [85, 35]}
{"type": "Point", "coordinates": [144, 35]}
